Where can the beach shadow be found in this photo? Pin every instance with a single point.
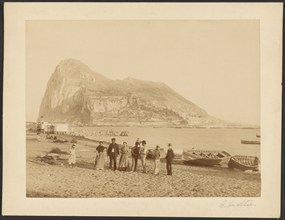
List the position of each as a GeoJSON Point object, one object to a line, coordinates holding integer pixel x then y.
{"type": "Point", "coordinates": [36, 161]}
{"type": "Point", "coordinates": [43, 162]}
{"type": "Point", "coordinates": [224, 172]}
{"type": "Point", "coordinates": [33, 139]}
{"type": "Point", "coordinates": [85, 165]}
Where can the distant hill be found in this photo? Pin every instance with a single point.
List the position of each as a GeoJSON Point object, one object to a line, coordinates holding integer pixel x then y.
{"type": "Point", "coordinates": [80, 96]}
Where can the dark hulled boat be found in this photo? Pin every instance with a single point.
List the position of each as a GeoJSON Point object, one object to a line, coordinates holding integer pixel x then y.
{"type": "Point", "coordinates": [243, 163]}
{"type": "Point", "coordinates": [250, 142]}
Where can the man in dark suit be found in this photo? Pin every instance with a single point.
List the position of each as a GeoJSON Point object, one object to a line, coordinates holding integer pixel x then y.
{"type": "Point", "coordinates": [135, 156]}
{"type": "Point", "coordinates": [113, 152]}
{"type": "Point", "coordinates": [169, 159]}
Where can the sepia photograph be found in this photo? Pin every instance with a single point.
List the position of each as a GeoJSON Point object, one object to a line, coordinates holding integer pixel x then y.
{"type": "Point", "coordinates": [129, 109]}
{"type": "Point", "coordinates": [143, 108]}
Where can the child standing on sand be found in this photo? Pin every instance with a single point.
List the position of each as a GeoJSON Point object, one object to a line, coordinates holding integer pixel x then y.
{"type": "Point", "coordinates": [72, 157]}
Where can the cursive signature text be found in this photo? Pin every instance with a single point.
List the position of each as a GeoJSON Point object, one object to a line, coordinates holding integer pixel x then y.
{"type": "Point", "coordinates": [242, 203]}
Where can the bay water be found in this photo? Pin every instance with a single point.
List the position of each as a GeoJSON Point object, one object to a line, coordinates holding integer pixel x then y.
{"type": "Point", "coordinates": [221, 139]}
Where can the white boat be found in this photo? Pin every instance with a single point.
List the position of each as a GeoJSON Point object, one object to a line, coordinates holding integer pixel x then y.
{"type": "Point", "coordinates": [204, 157]}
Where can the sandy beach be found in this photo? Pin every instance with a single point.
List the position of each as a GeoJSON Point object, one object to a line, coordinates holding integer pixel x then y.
{"type": "Point", "coordinates": [46, 180]}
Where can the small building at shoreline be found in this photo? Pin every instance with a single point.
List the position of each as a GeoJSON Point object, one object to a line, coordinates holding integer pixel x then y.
{"type": "Point", "coordinates": [54, 128]}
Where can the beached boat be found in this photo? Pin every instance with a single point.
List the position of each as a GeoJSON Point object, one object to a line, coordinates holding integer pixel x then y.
{"type": "Point", "coordinates": [250, 142]}
{"type": "Point", "coordinates": [258, 135]}
{"type": "Point", "coordinates": [177, 154]}
{"type": "Point", "coordinates": [243, 162]}
{"type": "Point", "coordinates": [204, 157]}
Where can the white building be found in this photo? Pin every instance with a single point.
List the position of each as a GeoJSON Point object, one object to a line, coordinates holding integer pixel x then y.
{"type": "Point", "coordinates": [54, 127]}
{"type": "Point", "coordinates": [61, 128]}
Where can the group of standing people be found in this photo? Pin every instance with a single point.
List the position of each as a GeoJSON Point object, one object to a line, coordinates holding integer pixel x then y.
{"type": "Point", "coordinates": [137, 153]}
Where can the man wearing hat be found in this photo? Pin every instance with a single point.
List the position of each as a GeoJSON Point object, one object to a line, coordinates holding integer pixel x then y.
{"type": "Point", "coordinates": [113, 152]}
{"type": "Point", "coordinates": [143, 154]}
{"type": "Point", "coordinates": [169, 159]}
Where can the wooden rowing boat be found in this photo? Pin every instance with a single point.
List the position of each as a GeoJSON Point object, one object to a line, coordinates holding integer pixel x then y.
{"type": "Point", "coordinates": [177, 154]}
{"type": "Point", "coordinates": [250, 142]}
{"type": "Point", "coordinates": [204, 157]}
{"type": "Point", "coordinates": [258, 135]}
{"type": "Point", "coordinates": [243, 162]}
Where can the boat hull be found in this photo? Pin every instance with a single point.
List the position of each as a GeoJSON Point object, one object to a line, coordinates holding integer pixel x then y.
{"type": "Point", "coordinates": [250, 142]}
{"type": "Point", "coordinates": [236, 163]}
{"type": "Point", "coordinates": [209, 158]}
{"type": "Point", "coordinates": [203, 162]}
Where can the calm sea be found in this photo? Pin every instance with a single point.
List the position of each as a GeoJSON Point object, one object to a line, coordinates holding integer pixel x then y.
{"type": "Point", "coordinates": [227, 139]}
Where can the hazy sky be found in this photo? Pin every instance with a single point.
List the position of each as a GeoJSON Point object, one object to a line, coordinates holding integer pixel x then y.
{"type": "Point", "coordinates": [215, 64]}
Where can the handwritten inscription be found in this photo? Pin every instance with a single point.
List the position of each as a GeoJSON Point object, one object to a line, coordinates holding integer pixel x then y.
{"type": "Point", "coordinates": [234, 204]}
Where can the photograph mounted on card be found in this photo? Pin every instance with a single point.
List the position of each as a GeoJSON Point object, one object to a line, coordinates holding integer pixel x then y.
{"type": "Point", "coordinates": [132, 109]}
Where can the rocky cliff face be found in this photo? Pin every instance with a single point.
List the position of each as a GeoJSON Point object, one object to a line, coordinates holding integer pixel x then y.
{"type": "Point", "coordinates": [78, 95]}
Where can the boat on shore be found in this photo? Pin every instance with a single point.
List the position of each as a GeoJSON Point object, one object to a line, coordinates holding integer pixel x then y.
{"type": "Point", "coordinates": [243, 163]}
{"type": "Point", "coordinates": [204, 157]}
{"type": "Point", "coordinates": [250, 142]}
{"type": "Point", "coordinates": [258, 135]}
